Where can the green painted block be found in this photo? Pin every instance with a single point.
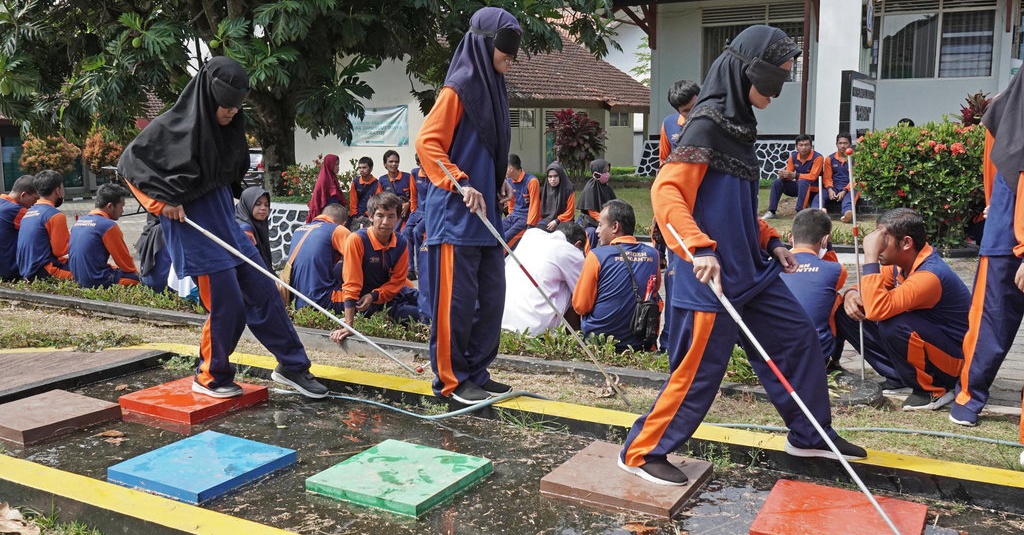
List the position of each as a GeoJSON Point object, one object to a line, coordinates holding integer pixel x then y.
{"type": "Point", "coordinates": [403, 478]}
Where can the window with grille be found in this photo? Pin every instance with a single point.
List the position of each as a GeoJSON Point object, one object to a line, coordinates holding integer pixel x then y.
{"type": "Point", "coordinates": [721, 25]}
{"type": "Point", "coordinates": [618, 119]}
{"type": "Point", "coordinates": [522, 118]}
{"type": "Point", "coordinates": [935, 39]}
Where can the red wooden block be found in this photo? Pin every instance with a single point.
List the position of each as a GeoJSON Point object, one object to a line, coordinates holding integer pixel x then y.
{"type": "Point", "coordinates": [175, 405]}
{"type": "Point", "coordinates": [796, 508]}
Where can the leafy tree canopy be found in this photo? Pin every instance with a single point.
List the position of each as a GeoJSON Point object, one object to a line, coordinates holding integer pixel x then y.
{"type": "Point", "coordinates": [67, 65]}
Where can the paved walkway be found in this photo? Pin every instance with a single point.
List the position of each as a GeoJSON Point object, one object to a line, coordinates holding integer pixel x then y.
{"type": "Point", "coordinates": [1006, 389]}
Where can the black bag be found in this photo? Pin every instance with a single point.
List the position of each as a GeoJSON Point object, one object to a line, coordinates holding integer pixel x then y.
{"type": "Point", "coordinates": [646, 315]}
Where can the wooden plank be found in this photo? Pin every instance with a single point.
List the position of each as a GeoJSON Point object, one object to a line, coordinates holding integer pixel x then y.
{"type": "Point", "coordinates": [30, 372]}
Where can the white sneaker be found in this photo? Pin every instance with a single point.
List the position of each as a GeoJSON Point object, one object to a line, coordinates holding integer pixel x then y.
{"type": "Point", "coordinates": [902, 391]}
{"type": "Point", "coordinates": [768, 215]}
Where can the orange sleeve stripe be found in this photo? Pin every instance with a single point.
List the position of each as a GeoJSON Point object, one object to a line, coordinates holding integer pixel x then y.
{"type": "Point", "coordinates": [988, 169]}
{"type": "Point", "coordinates": [1018, 218]}
{"type": "Point", "coordinates": [113, 240]}
{"type": "Point", "coordinates": [789, 163]}
{"type": "Point", "coordinates": [60, 237]}
{"type": "Point", "coordinates": [17, 218]}
{"type": "Point", "coordinates": [399, 276]}
{"type": "Point", "coordinates": [673, 196]}
{"type": "Point", "coordinates": [352, 272]}
{"type": "Point", "coordinates": [435, 139]}
{"type": "Point", "coordinates": [883, 300]}
{"type": "Point", "coordinates": [533, 191]}
{"type": "Point", "coordinates": [585, 294]}
{"type": "Point", "coordinates": [570, 208]}
{"type": "Point", "coordinates": [413, 205]}
{"type": "Point", "coordinates": [151, 205]}
{"type": "Point", "coordinates": [338, 238]}
{"type": "Point", "coordinates": [353, 200]}
{"type": "Point", "coordinates": [664, 146]}
{"type": "Point", "coordinates": [826, 171]}
{"type": "Point", "coordinates": [766, 233]}
{"type": "Point", "coordinates": [815, 170]}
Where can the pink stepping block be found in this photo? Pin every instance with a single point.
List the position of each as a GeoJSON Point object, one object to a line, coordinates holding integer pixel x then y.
{"type": "Point", "coordinates": [175, 407]}
{"type": "Point", "coordinates": [51, 414]}
{"type": "Point", "coordinates": [796, 508]}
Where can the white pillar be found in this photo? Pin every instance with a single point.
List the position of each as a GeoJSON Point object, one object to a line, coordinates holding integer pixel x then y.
{"type": "Point", "coordinates": [839, 27]}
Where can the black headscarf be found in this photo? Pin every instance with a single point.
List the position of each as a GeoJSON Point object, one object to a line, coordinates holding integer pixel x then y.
{"type": "Point", "coordinates": [261, 229]}
{"type": "Point", "coordinates": [1004, 118]}
{"type": "Point", "coordinates": [482, 89]}
{"type": "Point", "coordinates": [553, 199]}
{"type": "Point", "coordinates": [721, 129]}
{"type": "Point", "coordinates": [149, 244]}
{"type": "Point", "coordinates": [184, 154]}
{"type": "Point", "coordinates": [595, 193]}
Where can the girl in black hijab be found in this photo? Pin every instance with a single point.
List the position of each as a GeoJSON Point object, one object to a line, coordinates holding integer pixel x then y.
{"type": "Point", "coordinates": [252, 212]}
{"type": "Point", "coordinates": [557, 198]}
{"type": "Point", "coordinates": [707, 191]}
{"type": "Point", "coordinates": [596, 192]}
{"type": "Point", "coordinates": [185, 164]}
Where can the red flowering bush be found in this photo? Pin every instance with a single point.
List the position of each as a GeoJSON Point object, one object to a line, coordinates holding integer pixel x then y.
{"type": "Point", "coordinates": [934, 169]}
{"type": "Point", "coordinates": [578, 140]}
{"type": "Point", "coordinates": [56, 153]}
{"type": "Point", "coordinates": [298, 180]}
{"type": "Point", "coordinates": [101, 150]}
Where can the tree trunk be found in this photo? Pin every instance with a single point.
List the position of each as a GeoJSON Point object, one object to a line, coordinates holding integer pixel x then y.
{"type": "Point", "coordinates": [273, 122]}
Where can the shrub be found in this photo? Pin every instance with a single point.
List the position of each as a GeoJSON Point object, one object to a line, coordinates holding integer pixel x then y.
{"type": "Point", "coordinates": [976, 104]}
{"type": "Point", "coordinates": [934, 169]}
{"type": "Point", "coordinates": [39, 153]}
{"type": "Point", "coordinates": [578, 140]}
{"type": "Point", "coordinates": [298, 180]}
{"type": "Point", "coordinates": [101, 150]}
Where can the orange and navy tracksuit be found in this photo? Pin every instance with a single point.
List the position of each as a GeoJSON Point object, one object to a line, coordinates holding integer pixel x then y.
{"type": "Point", "coordinates": [43, 243]}
{"type": "Point", "coordinates": [11, 213]}
{"type": "Point", "coordinates": [413, 230]}
{"type": "Point", "coordinates": [815, 284]}
{"type": "Point", "coordinates": [997, 306]}
{"type": "Point", "coordinates": [359, 194]}
{"type": "Point", "coordinates": [523, 207]}
{"type": "Point", "coordinates": [317, 256]}
{"type": "Point", "coordinates": [671, 127]}
{"type": "Point", "coordinates": [467, 266]}
{"type": "Point", "coordinates": [95, 238]}
{"type": "Point", "coordinates": [692, 198]}
{"type": "Point", "coordinates": [569, 208]}
{"type": "Point", "coordinates": [915, 324]}
{"type": "Point", "coordinates": [405, 187]}
{"type": "Point", "coordinates": [234, 293]}
{"type": "Point", "coordinates": [380, 269]}
{"type": "Point", "coordinates": [604, 297]}
{"type": "Point", "coordinates": [805, 185]}
{"type": "Point", "coordinates": [836, 176]}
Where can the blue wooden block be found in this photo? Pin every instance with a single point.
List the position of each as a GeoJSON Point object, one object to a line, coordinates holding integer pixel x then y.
{"type": "Point", "coordinates": [201, 467]}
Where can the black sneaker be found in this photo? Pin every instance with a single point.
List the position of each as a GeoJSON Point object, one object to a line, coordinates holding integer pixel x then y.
{"type": "Point", "coordinates": [923, 401]}
{"type": "Point", "coordinates": [230, 390]}
{"type": "Point", "coordinates": [412, 274]}
{"type": "Point", "coordinates": [658, 471]}
{"type": "Point", "coordinates": [304, 382]}
{"type": "Point", "coordinates": [468, 393]}
{"type": "Point", "coordinates": [495, 388]}
{"type": "Point", "coordinates": [850, 451]}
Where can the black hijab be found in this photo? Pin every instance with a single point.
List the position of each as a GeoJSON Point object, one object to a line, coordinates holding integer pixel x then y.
{"type": "Point", "coordinates": [184, 154]}
{"type": "Point", "coordinates": [1004, 118]}
{"type": "Point", "coordinates": [595, 193]}
{"type": "Point", "coordinates": [721, 129]}
{"type": "Point", "coordinates": [149, 244]}
{"type": "Point", "coordinates": [261, 229]}
{"type": "Point", "coordinates": [482, 89]}
{"type": "Point", "coordinates": [553, 199]}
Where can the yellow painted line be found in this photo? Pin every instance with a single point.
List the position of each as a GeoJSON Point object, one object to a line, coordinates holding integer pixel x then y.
{"type": "Point", "coordinates": [36, 350]}
{"type": "Point", "coordinates": [128, 502]}
{"type": "Point", "coordinates": [737, 437]}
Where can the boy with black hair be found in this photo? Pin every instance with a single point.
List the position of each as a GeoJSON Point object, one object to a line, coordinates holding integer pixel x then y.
{"type": "Point", "coordinates": [682, 95]}
{"type": "Point", "coordinates": [363, 187]}
{"type": "Point", "coordinates": [95, 237]}
{"type": "Point", "coordinates": [914, 309]}
{"type": "Point", "coordinates": [43, 238]}
{"type": "Point", "coordinates": [399, 183]}
{"type": "Point", "coordinates": [836, 178]}
{"type": "Point", "coordinates": [13, 206]}
{"type": "Point", "coordinates": [524, 208]}
{"type": "Point", "coordinates": [799, 179]}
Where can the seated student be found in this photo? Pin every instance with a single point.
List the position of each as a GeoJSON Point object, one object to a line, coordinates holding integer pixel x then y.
{"type": "Point", "coordinates": [154, 261]}
{"type": "Point", "coordinates": [524, 207]}
{"type": "Point", "coordinates": [836, 179]}
{"type": "Point", "coordinates": [595, 193]}
{"type": "Point", "coordinates": [799, 179]}
{"type": "Point", "coordinates": [376, 267]}
{"type": "Point", "coordinates": [317, 254]}
{"type": "Point", "coordinates": [414, 227]}
{"type": "Point", "coordinates": [817, 278]}
{"type": "Point", "coordinates": [399, 183]}
{"type": "Point", "coordinates": [914, 310]}
{"type": "Point", "coordinates": [96, 237]}
{"type": "Point", "coordinates": [557, 199]}
{"type": "Point", "coordinates": [554, 260]}
{"type": "Point", "coordinates": [604, 297]}
{"type": "Point", "coordinates": [13, 206]}
{"type": "Point", "coordinates": [42, 250]}
{"type": "Point", "coordinates": [252, 212]}
{"type": "Point", "coordinates": [363, 187]}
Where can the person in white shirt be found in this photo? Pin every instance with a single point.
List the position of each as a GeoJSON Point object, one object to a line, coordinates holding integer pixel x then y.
{"type": "Point", "coordinates": [554, 260]}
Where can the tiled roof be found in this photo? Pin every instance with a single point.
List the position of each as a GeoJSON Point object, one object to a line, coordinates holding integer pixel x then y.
{"type": "Point", "coordinates": [573, 78]}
